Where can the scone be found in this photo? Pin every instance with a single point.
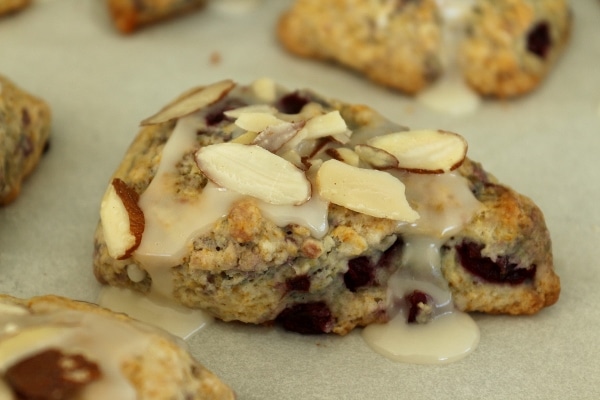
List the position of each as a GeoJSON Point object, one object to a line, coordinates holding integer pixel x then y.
{"type": "Point", "coordinates": [24, 130]}
{"type": "Point", "coordinates": [11, 6]}
{"type": "Point", "coordinates": [260, 204]}
{"type": "Point", "coordinates": [131, 15]}
{"type": "Point", "coordinates": [504, 47]}
{"type": "Point", "coordinates": [55, 348]}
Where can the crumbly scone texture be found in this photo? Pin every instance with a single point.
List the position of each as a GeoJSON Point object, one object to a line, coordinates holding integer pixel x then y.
{"type": "Point", "coordinates": [11, 6]}
{"type": "Point", "coordinates": [24, 131]}
{"type": "Point", "coordinates": [511, 45]}
{"type": "Point", "coordinates": [248, 269]}
{"type": "Point", "coordinates": [166, 372]}
{"type": "Point", "coordinates": [131, 15]}
{"type": "Point", "coordinates": [396, 44]}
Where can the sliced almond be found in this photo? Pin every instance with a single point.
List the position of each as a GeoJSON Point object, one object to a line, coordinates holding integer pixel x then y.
{"type": "Point", "coordinates": [366, 191]}
{"type": "Point", "coordinates": [253, 108]}
{"type": "Point", "coordinates": [376, 157]}
{"type": "Point", "coordinates": [345, 155]}
{"type": "Point", "coordinates": [257, 121]}
{"type": "Point", "coordinates": [329, 124]}
{"type": "Point", "coordinates": [254, 171]}
{"type": "Point", "coordinates": [275, 136]}
{"type": "Point", "coordinates": [424, 151]}
{"type": "Point", "coordinates": [265, 89]}
{"type": "Point", "coordinates": [245, 138]}
{"type": "Point", "coordinates": [191, 101]}
{"type": "Point", "coordinates": [122, 220]}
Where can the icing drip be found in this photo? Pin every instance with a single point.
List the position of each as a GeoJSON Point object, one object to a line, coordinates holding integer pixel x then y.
{"type": "Point", "coordinates": [450, 94]}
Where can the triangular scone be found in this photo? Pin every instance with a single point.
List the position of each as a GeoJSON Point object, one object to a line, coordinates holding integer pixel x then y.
{"type": "Point", "coordinates": [502, 47]}
{"type": "Point", "coordinates": [87, 352]}
{"type": "Point", "coordinates": [24, 131]}
{"type": "Point", "coordinates": [131, 15]}
{"type": "Point", "coordinates": [260, 204]}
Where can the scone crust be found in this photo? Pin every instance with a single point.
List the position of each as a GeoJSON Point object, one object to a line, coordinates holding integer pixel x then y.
{"type": "Point", "coordinates": [395, 44]}
{"type": "Point", "coordinates": [168, 371]}
{"type": "Point", "coordinates": [499, 57]}
{"type": "Point", "coordinates": [24, 131]}
{"type": "Point", "coordinates": [248, 269]}
{"type": "Point", "coordinates": [502, 51]}
{"type": "Point", "coordinates": [131, 15]}
{"type": "Point", "coordinates": [11, 6]}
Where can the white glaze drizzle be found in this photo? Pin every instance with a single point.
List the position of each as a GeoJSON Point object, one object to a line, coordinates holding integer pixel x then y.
{"type": "Point", "coordinates": [450, 94]}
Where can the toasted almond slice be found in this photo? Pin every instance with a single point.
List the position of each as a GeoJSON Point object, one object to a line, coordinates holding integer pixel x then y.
{"type": "Point", "coordinates": [254, 171]}
{"type": "Point", "coordinates": [345, 155]}
{"type": "Point", "coordinates": [190, 102]}
{"type": "Point", "coordinates": [265, 89]}
{"type": "Point", "coordinates": [376, 157]}
{"type": "Point", "coordinates": [275, 136]}
{"type": "Point", "coordinates": [366, 191]}
{"type": "Point", "coordinates": [122, 220]}
{"type": "Point", "coordinates": [245, 138]}
{"type": "Point", "coordinates": [253, 108]}
{"type": "Point", "coordinates": [257, 121]}
{"type": "Point", "coordinates": [329, 124]}
{"type": "Point", "coordinates": [424, 151]}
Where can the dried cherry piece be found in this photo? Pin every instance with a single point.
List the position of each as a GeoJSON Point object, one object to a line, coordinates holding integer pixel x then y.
{"type": "Point", "coordinates": [413, 300]}
{"type": "Point", "coordinates": [500, 271]}
{"type": "Point", "coordinates": [300, 283]}
{"type": "Point", "coordinates": [292, 103]}
{"type": "Point", "coordinates": [539, 40]}
{"type": "Point", "coordinates": [216, 116]}
{"type": "Point", "coordinates": [51, 375]}
{"type": "Point", "coordinates": [307, 318]}
{"type": "Point", "coordinates": [360, 273]}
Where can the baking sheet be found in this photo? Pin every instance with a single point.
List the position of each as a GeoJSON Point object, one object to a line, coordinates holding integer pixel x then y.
{"type": "Point", "coordinates": [101, 84]}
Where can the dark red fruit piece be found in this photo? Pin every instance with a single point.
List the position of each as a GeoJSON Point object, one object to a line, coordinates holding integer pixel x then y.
{"type": "Point", "coordinates": [360, 273]}
{"type": "Point", "coordinates": [307, 318]}
{"type": "Point", "coordinates": [539, 40]}
{"type": "Point", "coordinates": [499, 271]}
{"type": "Point", "coordinates": [299, 283]}
{"type": "Point", "coordinates": [413, 300]}
{"type": "Point", "coordinates": [51, 375]}
{"type": "Point", "coordinates": [292, 103]}
{"type": "Point", "coordinates": [217, 115]}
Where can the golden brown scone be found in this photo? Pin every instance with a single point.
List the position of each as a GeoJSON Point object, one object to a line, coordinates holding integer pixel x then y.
{"type": "Point", "coordinates": [131, 15]}
{"type": "Point", "coordinates": [396, 44]}
{"type": "Point", "coordinates": [210, 205]}
{"type": "Point", "coordinates": [504, 47]}
{"type": "Point", "coordinates": [88, 352]}
{"type": "Point", "coordinates": [511, 45]}
{"type": "Point", "coordinates": [11, 6]}
{"type": "Point", "coordinates": [24, 130]}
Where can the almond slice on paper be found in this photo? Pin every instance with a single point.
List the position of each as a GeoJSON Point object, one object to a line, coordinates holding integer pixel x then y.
{"type": "Point", "coordinates": [254, 171]}
{"type": "Point", "coordinates": [367, 191]}
{"type": "Point", "coordinates": [424, 151]}
{"type": "Point", "coordinates": [190, 102]}
{"type": "Point", "coordinates": [122, 220]}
